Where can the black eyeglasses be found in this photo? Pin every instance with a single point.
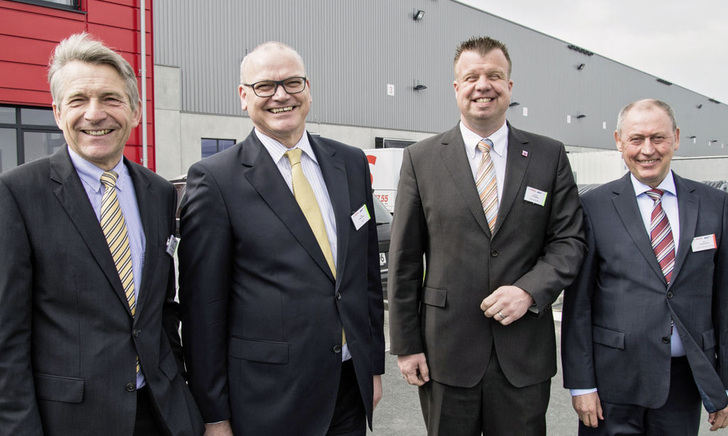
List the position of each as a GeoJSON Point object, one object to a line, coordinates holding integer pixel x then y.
{"type": "Point", "coordinates": [268, 88]}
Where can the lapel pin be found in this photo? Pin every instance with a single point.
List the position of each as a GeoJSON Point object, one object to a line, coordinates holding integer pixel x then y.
{"type": "Point", "coordinates": [524, 153]}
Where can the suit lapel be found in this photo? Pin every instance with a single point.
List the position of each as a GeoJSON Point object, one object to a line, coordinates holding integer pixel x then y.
{"type": "Point", "coordinates": [264, 176]}
{"type": "Point", "coordinates": [74, 200]}
{"type": "Point", "coordinates": [148, 204]}
{"type": "Point", "coordinates": [688, 204]}
{"type": "Point", "coordinates": [625, 203]}
{"type": "Point", "coordinates": [456, 161]}
{"type": "Point", "coordinates": [333, 169]}
{"type": "Point", "coordinates": [520, 153]}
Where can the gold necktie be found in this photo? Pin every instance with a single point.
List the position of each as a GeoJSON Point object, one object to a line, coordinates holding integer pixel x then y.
{"type": "Point", "coordinates": [307, 202]}
{"type": "Point", "coordinates": [486, 183]}
{"type": "Point", "coordinates": [114, 227]}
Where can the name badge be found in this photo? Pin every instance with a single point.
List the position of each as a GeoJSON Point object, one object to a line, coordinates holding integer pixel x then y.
{"type": "Point", "coordinates": [361, 216]}
{"type": "Point", "coordinates": [535, 196]}
{"type": "Point", "coordinates": [172, 244]}
{"type": "Point", "coordinates": [702, 243]}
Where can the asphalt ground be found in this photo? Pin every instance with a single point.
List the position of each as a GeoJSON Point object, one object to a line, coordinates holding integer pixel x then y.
{"type": "Point", "coordinates": [398, 414]}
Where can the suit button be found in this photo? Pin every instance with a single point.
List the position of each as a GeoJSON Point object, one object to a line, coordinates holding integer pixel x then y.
{"type": "Point", "coordinates": [136, 333]}
{"type": "Point", "coordinates": [338, 295]}
{"type": "Point", "coordinates": [130, 387]}
{"type": "Point", "coordinates": [669, 295]}
{"type": "Point", "coordinates": [337, 349]}
{"type": "Point", "coordinates": [666, 340]}
{"type": "Point", "coordinates": [494, 253]}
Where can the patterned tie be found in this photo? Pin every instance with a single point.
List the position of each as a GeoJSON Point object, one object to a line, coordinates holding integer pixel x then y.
{"type": "Point", "coordinates": [114, 227]}
{"type": "Point", "coordinates": [486, 183]}
{"type": "Point", "coordinates": [307, 202]}
{"type": "Point", "coordinates": [661, 235]}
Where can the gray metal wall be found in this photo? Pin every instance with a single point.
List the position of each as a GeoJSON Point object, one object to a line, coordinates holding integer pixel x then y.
{"type": "Point", "coordinates": [353, 49]}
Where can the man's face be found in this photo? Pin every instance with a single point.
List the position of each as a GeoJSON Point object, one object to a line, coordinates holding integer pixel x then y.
{"type": "Point", "coordinates": [647, 143]}
{"type": "Point", "coordinates": [483, 90]}
{"type": "Point", "coordinates": [281, 116]}
{"type": "Point", "coordinates": [94, 113]}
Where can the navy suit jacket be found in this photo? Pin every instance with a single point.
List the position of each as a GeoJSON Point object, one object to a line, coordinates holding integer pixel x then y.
{"type": "Point", "coordinates": [68, 341]}
{"type": "Point", "coordinates": [261, 311]}
{"type": "Point", "coordinates": [617, 314]}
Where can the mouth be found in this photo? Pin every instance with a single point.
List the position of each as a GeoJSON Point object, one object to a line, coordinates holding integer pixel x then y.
{"type": "Point", "coordinates": [648, 161]}
{"type": "Point", "coordinates": [277, 110]}
{"type": "Point", "coordinates": [98, 132]}
{"type": "Point", "coordinates": [483, 100]}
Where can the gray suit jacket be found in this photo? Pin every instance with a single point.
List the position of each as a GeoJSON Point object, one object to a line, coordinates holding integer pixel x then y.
{"type": "Point", "coordinates": [616, 319]}
{"type": "Point", "coordinates": [68, 342]}
{"type": "Point", "coordinates": [261, 311]}
{"type": "Point", "coordinates": [537, 248]}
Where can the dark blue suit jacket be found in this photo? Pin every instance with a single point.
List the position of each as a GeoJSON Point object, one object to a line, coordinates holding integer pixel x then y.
{"type": "Point", "coordinates": [261, 311]}
{"type": "Point", "coordinates": [616, 318]}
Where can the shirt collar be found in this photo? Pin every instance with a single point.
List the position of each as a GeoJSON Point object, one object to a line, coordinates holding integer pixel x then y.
{"type": "Point", "coordinates": [667, 185]}
{"type": "Point", "coordinates": [278, 150]}
{"type": "Point", "coordinates": [90, 174]}
{"type": "Point", "coordinates": [471, 140]}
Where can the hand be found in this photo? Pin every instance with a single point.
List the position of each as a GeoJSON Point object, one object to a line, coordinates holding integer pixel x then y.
{"type": "Point", "coordinates": [219, 429]}
{"type": "Point", "coordinates": [506, 304]}
{"type": "Point", "coordinates": [718, 419]}
{"type": "Point", "coordinates": [378, 392]}
{"type": "Point", "coordinates": [589, 408]}
{"type": "Point", "coordinates": [414, 368]}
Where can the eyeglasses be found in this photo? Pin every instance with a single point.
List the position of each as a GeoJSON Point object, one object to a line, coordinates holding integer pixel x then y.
{"type": "Point", "coordinates": [268, 88]}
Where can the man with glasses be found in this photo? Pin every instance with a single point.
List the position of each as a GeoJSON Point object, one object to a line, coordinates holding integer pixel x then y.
{"type": "Point", "coordinates": [281, 297]}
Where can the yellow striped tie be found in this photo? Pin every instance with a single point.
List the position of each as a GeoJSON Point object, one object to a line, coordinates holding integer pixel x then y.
{"type": "Point", "coordinates": [306, 200]}
{"type": "Point", "coordinates": [114, 227]}
{"type": "Point", "coordinates": [486, 183]}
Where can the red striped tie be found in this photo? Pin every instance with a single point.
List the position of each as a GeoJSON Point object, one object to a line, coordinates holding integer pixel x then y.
{"type": "Point", "coordinates": [662, 243]}
{"type": "Point", "coordinates": [486, 183]}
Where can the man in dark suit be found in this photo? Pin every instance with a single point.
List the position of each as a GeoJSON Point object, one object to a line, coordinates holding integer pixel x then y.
{"type": "Point", "coordinates": [278, 255]}
{"type": "Point", "coordinates": [507, 254]}
{"type": "Point", "coordinates": [89, 342]}
{"type": "Point", "coordinates": [645, 324]}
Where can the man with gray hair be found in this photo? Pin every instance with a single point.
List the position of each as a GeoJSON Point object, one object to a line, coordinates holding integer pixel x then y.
{"type": "Point", "coordinates": [282, 310]}
{"type": "Point", "coordinates": [89, 342]}
{"type": "Point", "coordinates": [645, 325]}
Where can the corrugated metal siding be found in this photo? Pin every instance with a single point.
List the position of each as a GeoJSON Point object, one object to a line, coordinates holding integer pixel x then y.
{"type": "Point", "coordinates": [353, 49]}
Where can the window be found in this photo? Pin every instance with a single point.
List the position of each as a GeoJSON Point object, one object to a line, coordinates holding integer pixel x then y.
{"type": "Point", "coordinates": [58, 4]}
{"type": "Point", "coordinates": [27, 134]}
{"type": "Point", "coordinates": [212, 146]}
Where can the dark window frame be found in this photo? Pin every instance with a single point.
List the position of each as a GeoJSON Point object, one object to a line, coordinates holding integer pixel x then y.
{"type": "Point", "coordinates": [217, 145]}
{"type": "Point", "coordinates": [73, 6]}
{"type": "Point", "coordinates": [21, 129]}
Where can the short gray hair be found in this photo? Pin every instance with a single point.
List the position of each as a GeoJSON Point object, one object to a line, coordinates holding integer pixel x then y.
{"type": "Point", "coordinates": [646, 104]}
{"type": "Point", "coordinates": [81, 47]}
{"type": "Point", "coordinates": [267, 46]}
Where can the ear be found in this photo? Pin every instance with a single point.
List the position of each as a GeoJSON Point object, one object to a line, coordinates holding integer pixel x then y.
{"type": "Point", "coordinates": [677, 139]}
{"type": "Point", "coordinates": [137, 115]}
{"type": "Point", "coordinates": [618, 141]}
{"type": "Point", "coordinates": [243, 101]}
{"type": "Point", "coordinates": [57, 115]}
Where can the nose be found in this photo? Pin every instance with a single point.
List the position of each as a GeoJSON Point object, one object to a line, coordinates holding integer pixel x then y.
{"type": "Point", "coordinates": [280, 93]}
{"type": "Point", "coordinates": [94, 110]}
{"type": "Point", "coordinates": [483, 83]}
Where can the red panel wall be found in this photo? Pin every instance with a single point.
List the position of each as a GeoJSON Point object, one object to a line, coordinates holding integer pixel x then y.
{"type": "Point", "coordinates": [29, 33]}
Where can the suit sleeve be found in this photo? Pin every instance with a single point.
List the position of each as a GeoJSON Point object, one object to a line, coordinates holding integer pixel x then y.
{"type": "Point", "coordinates": [374, 284]}
{"type": "Point", "coordinates": [205, 280]}
{"type": "Point", "coordinates": [407, 247]}
{"type": "Point", "coordinates": [564, 245]}
{"type": "Point", "coordinates": [576, 322]}
{"type": "Point", "coordinates": [18, 407]}
{"type": "Point", "coordinates": [720, 296]}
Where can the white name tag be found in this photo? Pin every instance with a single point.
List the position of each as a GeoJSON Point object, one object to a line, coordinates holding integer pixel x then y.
{"type": "Point", "coordinates": [172, 244]}
{"type": "Point", "coordinates": [535, 196]}
{"type": "Point", "coordinates": [701, 243]}
{"type": "Point", "coordinates": [361, 216]}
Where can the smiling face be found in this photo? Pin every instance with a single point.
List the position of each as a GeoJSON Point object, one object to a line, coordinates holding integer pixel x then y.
{"type": "Point", "coordinates": [647, 142]}
{"type": "Point", "coordinates": [483, 90]}
{"type": "Point", "coordinates": [281, 116]}
{"type": "Point", "coordinates": [94, 112]}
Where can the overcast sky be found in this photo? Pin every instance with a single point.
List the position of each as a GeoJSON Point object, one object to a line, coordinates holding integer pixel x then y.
{"type": "Point", "coordinates": [682, 41]}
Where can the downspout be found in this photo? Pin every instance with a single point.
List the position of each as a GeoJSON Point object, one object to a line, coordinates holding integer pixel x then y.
{"type": "Point", "coordinates": [143, 10]}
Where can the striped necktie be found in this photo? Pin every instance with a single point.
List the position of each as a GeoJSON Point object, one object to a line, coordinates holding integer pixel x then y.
{"type": "Point", "coordinates": [661, 235]}
{"type": "Point", "coordinates": [486, 183]}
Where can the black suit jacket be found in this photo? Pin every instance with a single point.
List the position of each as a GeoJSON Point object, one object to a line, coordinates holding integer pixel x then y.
{"type": "Point", "coordinates": [68, 342]}
{"type": "Point", "coordinates": [537, 248]}
{"type": "Point", "coordinates": [616, 318]}
{"type": "Point", "coordinates": [261, 312]}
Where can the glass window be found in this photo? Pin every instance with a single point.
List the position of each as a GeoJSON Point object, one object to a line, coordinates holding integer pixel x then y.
{"type": "Point", "coordinates": [8, 149]}
{"type": "Point", "coordinates": [7, 115]}
{"type": "Point", "coordinates": [212, 146]}
{"type": "Point", "coordinates": [37, 117]}
{"type": "Point", "coordinates": [39, 144]}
